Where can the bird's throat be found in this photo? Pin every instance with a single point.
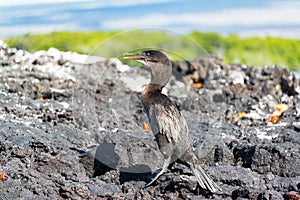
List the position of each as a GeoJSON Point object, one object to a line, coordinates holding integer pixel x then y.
{"type": "Point", "coordinates": [160, 75]}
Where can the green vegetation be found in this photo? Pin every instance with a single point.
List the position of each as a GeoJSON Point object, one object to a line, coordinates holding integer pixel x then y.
{"type": "Point", "coordinates": [64, 41]}
{"type": "Point", "coordinates": [253, 51]}
{"type": "Point", "coordinates": [233, 49]}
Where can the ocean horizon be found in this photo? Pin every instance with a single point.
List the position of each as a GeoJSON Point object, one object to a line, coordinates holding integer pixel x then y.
{"type": "Point", "coordinates": [244, 18]}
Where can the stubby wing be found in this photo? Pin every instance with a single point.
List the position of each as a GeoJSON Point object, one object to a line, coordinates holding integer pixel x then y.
{"type": "Point", "coordinates": [167, 120]}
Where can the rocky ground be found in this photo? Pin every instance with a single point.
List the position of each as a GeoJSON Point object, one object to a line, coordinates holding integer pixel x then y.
{"type": "Point", "coordinates": [71, 127]}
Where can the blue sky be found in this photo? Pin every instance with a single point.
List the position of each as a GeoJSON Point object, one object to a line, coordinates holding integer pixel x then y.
{"type": "Point", "coordinates": [246, 17]}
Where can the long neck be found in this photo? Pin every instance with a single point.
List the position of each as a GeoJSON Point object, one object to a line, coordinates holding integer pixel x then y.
{"type": "Point", "coordinates": [160, 75]}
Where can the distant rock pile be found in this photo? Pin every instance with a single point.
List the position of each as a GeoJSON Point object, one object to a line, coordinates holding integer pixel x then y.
{"type": "Point", "coordinates": [71, 127]}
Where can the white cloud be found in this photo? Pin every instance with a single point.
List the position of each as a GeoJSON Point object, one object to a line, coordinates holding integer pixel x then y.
{"type": "Point", "coordinates": [89, 3]}
{"type": "Point", "coordinates": [17, 30]}
{"type": "Point", "coordinates": [124, 3]}
{"type": "Point", "coordinates": [279, 18]}
{"type": "Point", "coordinates": [275, 32]}
{"type": "Point", "coordinates": [32, 2]}
{"type": "Point", "coordinates": [133, 2]}
{"type": "Point", "coordinates": [275, 14]}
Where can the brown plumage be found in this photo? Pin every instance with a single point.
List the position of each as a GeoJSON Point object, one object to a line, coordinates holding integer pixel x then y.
{"type": "Point", "coordinates": [166, 122]}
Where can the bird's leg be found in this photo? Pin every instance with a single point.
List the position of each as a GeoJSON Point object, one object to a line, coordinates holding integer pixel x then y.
{"type": "Point", "coordinates": [166, 163]}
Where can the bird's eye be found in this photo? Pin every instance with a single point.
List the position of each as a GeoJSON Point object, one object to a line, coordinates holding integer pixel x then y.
{"type": "Point", "coordinates": [148, 54]}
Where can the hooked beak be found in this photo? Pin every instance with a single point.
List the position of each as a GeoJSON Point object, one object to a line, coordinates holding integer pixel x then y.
{"type": "Point", "coordinates": [131, 56]}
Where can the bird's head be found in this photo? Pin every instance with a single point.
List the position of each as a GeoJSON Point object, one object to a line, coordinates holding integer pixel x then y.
{"type": "Point", "coordinates": [159, 63]}
{"type": "Point", "coordinates": [149, 57]}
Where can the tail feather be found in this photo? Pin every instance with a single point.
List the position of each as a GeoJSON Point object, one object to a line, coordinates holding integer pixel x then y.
{"type": "Point", "coordinates": [205, 181]}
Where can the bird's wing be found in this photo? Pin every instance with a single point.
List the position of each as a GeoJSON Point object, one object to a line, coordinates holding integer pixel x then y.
{"type": "Point", "coordinates": [168, 120]}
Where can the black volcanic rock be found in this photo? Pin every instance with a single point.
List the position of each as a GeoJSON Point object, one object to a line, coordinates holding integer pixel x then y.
{"type": "Point", "coordinates": [71, 127]}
